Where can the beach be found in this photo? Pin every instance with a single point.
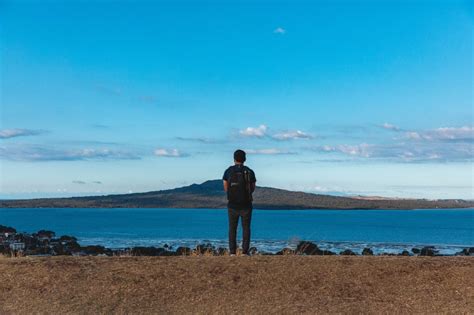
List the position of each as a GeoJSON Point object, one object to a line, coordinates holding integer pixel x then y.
{"type": "Point", "coordinates": [223, 284]}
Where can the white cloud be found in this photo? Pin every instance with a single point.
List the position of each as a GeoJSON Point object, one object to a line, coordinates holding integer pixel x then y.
{"type": "Point", "coordinates": [413, 135]}
{"type": "Point", "coordinates": [168, 153]}
{"type": "Point", "coordinates": [36, 154]}
{"type": "Point", "coordinates": [81, 182]}
{"type": "Point", "coordinates": [406, 152]}
{"type": "Point", "coordinates": [452, 133]}
{"type": "Point", "coordinates": [319, 188]}
{"type": "Point", "coordinates": [292, 134]}
{"type": "Point", "coordinates": [465, 133]}
{"type": "Point", "coordinates": [279, 30]}
{"type": "Point", "coordinates": [390, 127]}
{"type": "Point", "coordinates": [17, 132]}
{"type": "Point", "coordinates": [259, 132]}
{"type": "Point", "coordinates": [200, 139]}
{"type": "Point", "coordinates": [361, 150]}
{"type": "Point", "coordinates": [262, 132]}
{"type": "Point", "coordinates": [271, 151]}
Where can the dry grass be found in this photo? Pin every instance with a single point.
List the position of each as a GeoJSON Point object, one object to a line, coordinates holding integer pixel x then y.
{"type": "Point", "coordinates": [251, 285]}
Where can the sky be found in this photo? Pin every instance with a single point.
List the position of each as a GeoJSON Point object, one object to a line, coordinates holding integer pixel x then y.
{"type": "Point", "coordinates": [332, 97]}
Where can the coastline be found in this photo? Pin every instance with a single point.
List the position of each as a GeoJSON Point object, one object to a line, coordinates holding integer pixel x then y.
{"type": "Point", "coordinates": [46, 243]}
{"type": "Point", "coordinates": [470, 207]}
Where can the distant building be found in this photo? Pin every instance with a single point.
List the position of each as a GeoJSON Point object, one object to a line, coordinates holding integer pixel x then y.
{"type": "Point", "coordinates": [17, 246]}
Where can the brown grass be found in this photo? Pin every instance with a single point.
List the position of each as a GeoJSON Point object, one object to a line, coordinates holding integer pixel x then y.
{"type": "Point", "coordinates": [250, 285]}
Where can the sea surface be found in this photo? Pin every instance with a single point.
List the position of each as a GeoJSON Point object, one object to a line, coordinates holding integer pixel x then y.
{"type": "Point", "coordinates": [388, 231]}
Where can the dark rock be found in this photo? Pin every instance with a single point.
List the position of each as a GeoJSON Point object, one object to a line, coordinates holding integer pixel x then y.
{"type": "Point", "coordinates": [327, 253]}
{"type": "Point", "coordinates": [169, 253]}
{"type": "Point", "coordinates": [286, 251]}
{"type": "Point", "coordinates": [253, 250]}
{"type": "Point", "coordinates": [73, 246]}
{"type": "Point", "coordinates": [204, 248]}
{"type": "Point", "coordinates": [415, 250]}
{"type": "Point", "coordinates": [466, 252]}
{"type": "Point", "coordinates": [148, 251]}
{"type": "Point", "coordinates": [94, 250]}
{"type": "Point", "coordinates": [367, 252]}
{"type": "Point", "coordinates": [405, 253]}
{"type": "Point", "coordinates": [117, 252]}
{"type": "Point", "coordinates": [347, 252]}
{"type": "Point", "coordinates": [428, 251]}
{"type": "Point", "coordinates": [67, 238]}
{"type": "Point", "coordinates": [184, 251]}
{"type": "Point", "coordinates": [221, 251]}
{"type": "Point", "coordinates": [307, 248]}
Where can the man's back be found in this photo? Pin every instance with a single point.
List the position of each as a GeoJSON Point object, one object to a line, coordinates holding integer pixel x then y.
{"type": "Point", "coordinates": [241, 183]}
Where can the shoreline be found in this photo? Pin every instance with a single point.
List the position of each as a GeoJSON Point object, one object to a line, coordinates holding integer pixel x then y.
{"type": "Point", "coordinates": [46, 243]}
{"type": "Point", "coordinates": [379, 248]}
{"type": "Point", "coordinates": [255, 209]}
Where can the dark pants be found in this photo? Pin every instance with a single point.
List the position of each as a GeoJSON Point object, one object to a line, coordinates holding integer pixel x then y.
{"type": "Point", "coordinates": [246, 215]}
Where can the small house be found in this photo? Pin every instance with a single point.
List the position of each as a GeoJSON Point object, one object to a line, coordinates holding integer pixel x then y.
{"type": "Point", "coordinates": [17, 246]}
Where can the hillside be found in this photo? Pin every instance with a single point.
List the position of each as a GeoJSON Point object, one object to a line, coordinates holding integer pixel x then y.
{"type": "Point", "coordinates": [210, 195]}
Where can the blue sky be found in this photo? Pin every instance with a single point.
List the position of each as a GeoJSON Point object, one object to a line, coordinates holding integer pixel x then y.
{"type": "Point", "coordinates": [344, 97]}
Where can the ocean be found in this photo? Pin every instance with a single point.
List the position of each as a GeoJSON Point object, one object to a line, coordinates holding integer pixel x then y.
{"type": "Point", "coordinates": [388, 231]}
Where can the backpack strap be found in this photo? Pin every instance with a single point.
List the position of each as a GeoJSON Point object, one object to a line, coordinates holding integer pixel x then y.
{"type": "Point", "coordinates": [247, 182]}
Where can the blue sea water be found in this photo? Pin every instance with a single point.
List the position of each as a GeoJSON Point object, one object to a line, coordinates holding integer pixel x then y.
{"type": "Point", "coordinates": [382, 230]}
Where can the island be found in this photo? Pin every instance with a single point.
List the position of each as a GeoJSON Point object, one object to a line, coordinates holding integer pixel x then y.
{"type": "Point", "coordinates": [210, 195]}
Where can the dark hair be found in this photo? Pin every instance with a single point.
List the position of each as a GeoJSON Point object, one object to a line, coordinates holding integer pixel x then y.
{"type": "Point", "coordinates": [239, 156]}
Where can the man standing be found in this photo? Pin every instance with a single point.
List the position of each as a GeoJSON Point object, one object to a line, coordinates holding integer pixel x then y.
{"type": "Point", "coordinates": [239, 183]}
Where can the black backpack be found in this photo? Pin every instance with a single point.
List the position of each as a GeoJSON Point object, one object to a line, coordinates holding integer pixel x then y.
{"type": "Point", "coordinates": [239, 186]}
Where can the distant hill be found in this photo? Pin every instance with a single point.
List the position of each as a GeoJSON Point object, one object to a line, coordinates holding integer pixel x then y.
{"type": "Point", "coordinates": [210, 195]}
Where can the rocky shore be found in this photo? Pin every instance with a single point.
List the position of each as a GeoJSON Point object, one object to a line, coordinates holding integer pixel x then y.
{"type": "Point", "coordinates": [46, 243]}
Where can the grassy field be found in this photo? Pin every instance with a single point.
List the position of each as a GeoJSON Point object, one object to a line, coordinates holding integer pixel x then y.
{"type": "Point", "coordinates": [250, 285]}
